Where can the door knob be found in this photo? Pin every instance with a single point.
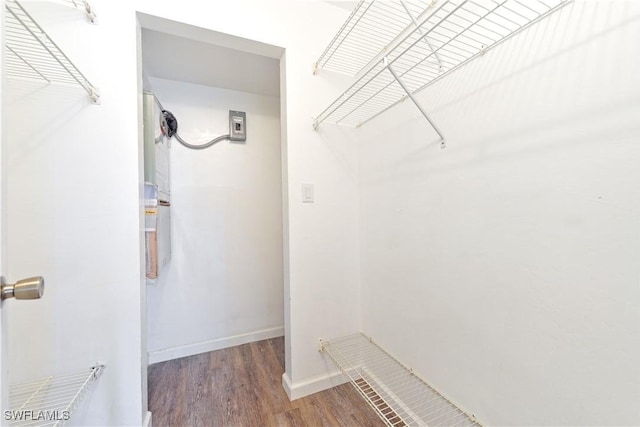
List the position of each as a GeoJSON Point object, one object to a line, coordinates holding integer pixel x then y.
{"type": "Point", "coordinates": [31, 288]}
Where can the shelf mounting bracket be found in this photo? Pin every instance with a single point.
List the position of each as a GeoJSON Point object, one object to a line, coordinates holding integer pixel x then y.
{"type": "Point", "coordinates": [386, 64]}
{"type": "Point", "coordinates": [91, 14]}
{"type": "Point", "coordinates": [94, 94]}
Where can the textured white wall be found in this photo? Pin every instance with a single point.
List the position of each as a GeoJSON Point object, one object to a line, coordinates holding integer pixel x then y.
{"type": "Point", "coordinates": [504, 269]}
{"type": "Point", "coordinates": [74, 216]}
{"type": "Point", "coordinates": [74, 202]}
{"type": "Point", "coordinates": [225, 276]}
{"type": "Point", "coordinates": [321, 239]}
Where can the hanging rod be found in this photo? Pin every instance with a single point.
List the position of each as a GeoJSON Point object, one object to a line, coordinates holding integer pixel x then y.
{"type": "Point", "coordinates": [32, 54]}
{"type": "Point", "coordinates": [457, 32]}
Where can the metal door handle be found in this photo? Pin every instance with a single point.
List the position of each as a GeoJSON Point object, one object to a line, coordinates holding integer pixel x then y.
{"type": "Point", "coordinates": [31, 288]}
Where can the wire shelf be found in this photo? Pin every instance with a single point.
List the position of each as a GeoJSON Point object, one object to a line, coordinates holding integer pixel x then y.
{"type": "Point", "coordinates": [397, 395]}
{"type": "Point", "coordinates": [32, 54]}
{"type": "Point", "coordinates": [50, 401]}
{"type": "Point", "coordinates": [441, 39]}
{"type": "Point", "coordinates": [369, 30]}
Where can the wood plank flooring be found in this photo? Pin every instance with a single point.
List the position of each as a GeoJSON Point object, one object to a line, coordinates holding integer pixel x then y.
{"type": "Point", "coordinates": [242, 386]}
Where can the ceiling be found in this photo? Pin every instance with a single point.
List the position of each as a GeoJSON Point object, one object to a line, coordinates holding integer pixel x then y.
{"type": "Point", "coordinates": [172, 57]}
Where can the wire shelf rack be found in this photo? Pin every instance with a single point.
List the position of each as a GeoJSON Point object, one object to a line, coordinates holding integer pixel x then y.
{"type": "Point", "coordinates": [361, 39]}
{"type": "Point", "coordinates": [32, 54]}
{"type": "Point", "coordinates": [398, 396]}
{"type": "Point", "coordinates": [51, 400]}
{"type": "Point", "coordinates": [442, 38]}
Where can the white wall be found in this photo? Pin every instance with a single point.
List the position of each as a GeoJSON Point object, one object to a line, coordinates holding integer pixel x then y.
{"type": "Point", "coordinates": [321, 283]}
{"type": "Point", "coordinates": [76, 186]}
{"type": "Point", "coordinates": [224, 284]}
{"type": "Point", "coordinates": [74, 217]}
{"type": "Point", "coordinates": [504, 269]}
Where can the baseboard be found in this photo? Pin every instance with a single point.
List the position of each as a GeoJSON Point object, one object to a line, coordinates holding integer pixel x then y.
{"type": "Point", "coordinates": [147, 420]}
{"type": "Point", "coordinates": [313, 385]}
{"type": "Point", "coordinates": [217, 344]}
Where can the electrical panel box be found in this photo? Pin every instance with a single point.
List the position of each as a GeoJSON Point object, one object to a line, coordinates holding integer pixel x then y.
{"type": "Point", "coordinates": [237, 125]}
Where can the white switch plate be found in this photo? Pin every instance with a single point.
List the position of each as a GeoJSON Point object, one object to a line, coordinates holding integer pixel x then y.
{"type": "Point", "coordinates": [307, 193]}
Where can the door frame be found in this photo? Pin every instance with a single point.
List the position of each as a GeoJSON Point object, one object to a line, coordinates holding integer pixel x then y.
{"type": "Point", "coordinates": [152, 22]}
{"type": "Point", "coordinates": [4, 336]}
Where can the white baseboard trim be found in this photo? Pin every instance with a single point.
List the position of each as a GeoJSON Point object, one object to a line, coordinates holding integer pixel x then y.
{"type": "Point", "coordinates": [147, 420]}
{"type": "Point", "coordinates": [313, 385]}
{"type": "Point", "coordinates": [217, 344]}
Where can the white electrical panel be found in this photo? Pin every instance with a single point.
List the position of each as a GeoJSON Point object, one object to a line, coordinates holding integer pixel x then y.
{"type": "Point", "coordinates": [237, 125]}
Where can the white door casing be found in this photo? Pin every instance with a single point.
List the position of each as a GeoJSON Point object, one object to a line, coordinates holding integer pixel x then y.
{"type": "Point", "coordinates": [4, 368]}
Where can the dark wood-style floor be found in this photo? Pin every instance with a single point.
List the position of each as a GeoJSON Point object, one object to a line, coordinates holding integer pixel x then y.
{"type": "Point", "coordinates": [242, 386]}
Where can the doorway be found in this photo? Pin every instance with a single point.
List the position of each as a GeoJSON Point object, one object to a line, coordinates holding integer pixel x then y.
{"type": "Point", "coordinates": [224, 284]}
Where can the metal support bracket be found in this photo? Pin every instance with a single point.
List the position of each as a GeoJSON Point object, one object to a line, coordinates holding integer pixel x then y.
{"type": "Point", "coordinates": [88, 10]}
{"type": "Point", "coordinates": [94, 95]}
{"type": "Point", "coordinates": [91, 14]}
{"type": "Point", "coordinates": [385, 62]}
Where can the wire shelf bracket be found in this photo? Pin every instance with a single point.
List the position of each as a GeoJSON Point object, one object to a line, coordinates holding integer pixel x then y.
{"type": "Point", "coordinates": [88, 10]}
{"type": "Point", "coordinates": [82, 5]}
{"type": "Point", "coordinates": [32, 54]}
{"type": "Point", "coordinates": [396, 394]}
{"type": "Point", "coordinates": [385, 61]}
{"type": "Point", "coordinates": [50, 401]}
{"type": "Point", "coordinates": [419, 43]}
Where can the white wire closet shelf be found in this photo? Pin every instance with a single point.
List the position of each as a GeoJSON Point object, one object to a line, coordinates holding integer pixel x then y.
{"type": "Point", "coordinates": [370, 28]}
{"type": "Point", "coordinates": [50, 401]}
{"type": "Point", "coordinates": [439, 38]}
{"type": "Point", "coordinates": [398, 396]}
{"type": "Point", "coordinates": [32, 54]}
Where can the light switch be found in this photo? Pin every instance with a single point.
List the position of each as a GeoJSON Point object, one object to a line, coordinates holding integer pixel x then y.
{"type": "Point", "coordinates": [307, 193]}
